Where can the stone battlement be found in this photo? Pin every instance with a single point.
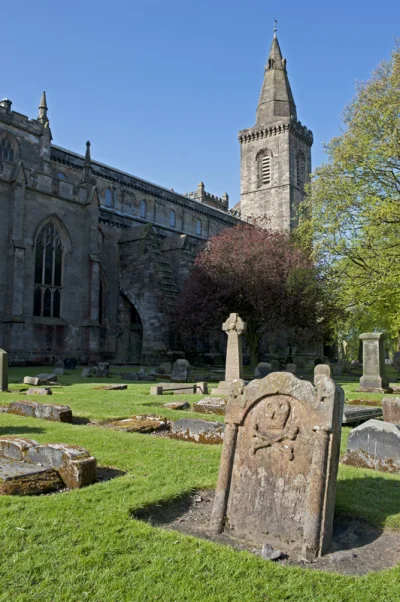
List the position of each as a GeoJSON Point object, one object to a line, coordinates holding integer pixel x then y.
{"type": "Point", "coordinates": [293, 125]}
{"type": "Point", "coordinates": [209, 199]}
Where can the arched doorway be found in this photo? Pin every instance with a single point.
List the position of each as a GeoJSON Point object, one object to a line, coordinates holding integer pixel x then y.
{"type": "Point", "coordinates": [130, 332]}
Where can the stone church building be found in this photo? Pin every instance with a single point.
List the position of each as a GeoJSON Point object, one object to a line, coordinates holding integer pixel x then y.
{"type": "Point", "coordinates": [93, 258]}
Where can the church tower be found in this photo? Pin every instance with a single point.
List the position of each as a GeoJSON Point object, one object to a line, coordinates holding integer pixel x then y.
{"type": "Point", "coordinates": [275, 153]}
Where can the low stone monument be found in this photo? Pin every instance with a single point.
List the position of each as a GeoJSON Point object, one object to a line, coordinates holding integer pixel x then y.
{"type": "Point", "coordinates": [234, 328]}
{"type": "Point", "coordinates": [103, 369]}
{"type": "Point", "coordinates": [262, 369]}
{"type": "Point", "coordinates": [373, 379]}
{"type": "Point", "coordinates": [180, 371]}
{"type": "Point", "coordinates": [3, 370]}
{"type": "Point", "coordinates": [279, 463]}
{"type": "Point", "coordinates": [374, 444]}
{"type": "Point", "coordinates": [391, 409]}
{"type": "Point", "coordinates": [396, 361]}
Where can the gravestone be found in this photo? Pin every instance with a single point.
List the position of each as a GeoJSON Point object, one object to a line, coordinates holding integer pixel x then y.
{"type": "Point", "coordinates": [374, 445]}
{"type": "Point", "coordinates": [279, 463]}
{"type": "Point", "coordinates": [291, 368]}
{"type": "Point", "coordinates": [180, 371]}
{"type": "Point", "coordinates": [234, 328]}
{"type": "Point", "coordinates": [373, 378]}
{"type": "Point", "coordinates": [262, 369]}
{"type": "Point", "coordinates": [396, 361]}
{"type": "Point", "coordinates": [167, 367]}
{"type": "Point", "coordinates": [275, 365]}
{"type": "Point", "coordinates": [103, 369]}
{"type": "Point", "coordinates": [3, 370]}
{"type": "Point", "coordinates": [391, 409]}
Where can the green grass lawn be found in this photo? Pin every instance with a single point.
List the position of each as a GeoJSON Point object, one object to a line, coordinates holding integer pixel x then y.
{"type": "Point", "coordinates": [84, 545]}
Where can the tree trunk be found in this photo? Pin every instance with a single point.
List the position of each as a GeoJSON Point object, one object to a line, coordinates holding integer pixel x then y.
{"type": "Point", "coordinates": [253, 337]}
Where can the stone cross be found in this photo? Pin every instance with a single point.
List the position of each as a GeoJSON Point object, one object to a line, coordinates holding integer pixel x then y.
{"type": "Point", "coordinates": [3, 370]}
{"type": "Point", "coordinates": [234, 328]}
{"type": "Point", "coordinates": [373, 378]}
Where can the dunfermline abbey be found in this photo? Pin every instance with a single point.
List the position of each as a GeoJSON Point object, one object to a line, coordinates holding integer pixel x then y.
{"type": "Point", "coordinates": [93, 258]}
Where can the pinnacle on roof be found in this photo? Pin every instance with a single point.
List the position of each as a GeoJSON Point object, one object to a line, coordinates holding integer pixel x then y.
{"type": "Point", "coordinates": [42, 116]}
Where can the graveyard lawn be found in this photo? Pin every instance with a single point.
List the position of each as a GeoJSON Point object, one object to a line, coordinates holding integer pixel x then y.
{"type": "Point", "coordinates": [85, 545]}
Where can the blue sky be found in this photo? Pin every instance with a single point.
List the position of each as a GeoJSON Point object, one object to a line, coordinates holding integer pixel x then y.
{"type": "Point", "coordinates": [161, 88]}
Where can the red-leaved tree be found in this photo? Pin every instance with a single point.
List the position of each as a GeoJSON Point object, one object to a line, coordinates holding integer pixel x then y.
{"type": "Point", "coordinates": [258, 273]}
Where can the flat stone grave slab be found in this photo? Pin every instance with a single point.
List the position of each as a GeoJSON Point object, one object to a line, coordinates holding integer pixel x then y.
{"type": "Point", "coordinates": [39, 391]}
{"type": "Point", "coordinates": [357, 414]}
{"type": "Point", "coordinates": [177, 405]}
{"type": "Point", "coordinates": [32, 409]}
{"type": "Point", "coordinates": [211, 405]}
{"type": "Point", "coordinates": [139, 424]}
{"type": "Point", "coordinates": [112, 387]}
{"type": "Point", "coordinates": [198, 431]}
{"type": "Point", "coordinates": [25, 478]}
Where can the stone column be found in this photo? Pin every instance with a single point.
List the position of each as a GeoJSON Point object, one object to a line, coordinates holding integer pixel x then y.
{"type": "Point", "coordinates": [234, 328]}
{"type": "Point", "coordinates": [3, 370]}
{"type": "Point", "coordinates": [373, 378]}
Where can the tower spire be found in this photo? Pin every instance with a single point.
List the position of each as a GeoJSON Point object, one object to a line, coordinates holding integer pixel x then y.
{"type": "Point", "coordinates": [42, 116]}
{"type": "Point", "coordinates": [276, 99]}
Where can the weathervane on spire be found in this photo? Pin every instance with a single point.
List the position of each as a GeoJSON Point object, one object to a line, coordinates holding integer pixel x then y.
{"type": "Point", "coordinates": [275, 27]}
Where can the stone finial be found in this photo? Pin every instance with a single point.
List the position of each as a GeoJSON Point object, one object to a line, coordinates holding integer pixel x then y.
{"type": "Point", "coordinates": [87, 164]}
{"type": "Point", "coordinates": [42, 116]}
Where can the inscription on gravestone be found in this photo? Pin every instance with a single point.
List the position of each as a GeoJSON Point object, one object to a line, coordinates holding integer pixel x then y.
{"type": "Point", "coordinates": [279, 462]}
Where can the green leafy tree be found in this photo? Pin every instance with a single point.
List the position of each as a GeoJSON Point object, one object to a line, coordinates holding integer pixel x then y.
{"type": "Point", "coordinates": [351, 217]}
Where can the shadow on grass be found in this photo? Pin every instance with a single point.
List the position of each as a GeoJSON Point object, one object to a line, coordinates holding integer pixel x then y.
{"type": "Point", "coordinates": [80, 420]}
{"type": "Point", "coordinates": [374, 499]}
{"type": "Point", "coordinates": [106, 473]}
{"type": "Point", "coordinates": [165, 512]}
{"type": "Point", "coordinates": [20, 430]}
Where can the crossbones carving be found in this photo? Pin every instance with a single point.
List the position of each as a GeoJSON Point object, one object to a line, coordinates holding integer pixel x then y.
{"type": "Point", "coordinates": [277, 414]}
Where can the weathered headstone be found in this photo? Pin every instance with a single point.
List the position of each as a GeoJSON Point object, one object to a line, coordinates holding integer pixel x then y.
{"type": "Point", "coordinates": [279, 462]}
{"type": "Point", "coordinates": [262, 369]}
{"type": "Point", "coordinates": [87, 372]}
{"type": "Point", "coordinates": [373, 378]}
{"type": "Point", "coordinates": [3, 370]}
{"type": "Point", "coordinates": [39, 391]}
{"type": "Point", "coordinates": [291, 368]}
{"type": "Point", "coordinates": [396, 361]}
{"type": "Point", "coordinates": [167, 367]}
{"type": "Point", "coordinates": [58, 371]}
{"type": "Point", "coordinates": [180, 371]}
{"type": "Point", "coordinates": [336, 370]}
{"type": "Point", "coordinates": [275, 365]}
{"type": "Point", "coordinates": [234, 328]}
{"type": "Point", "coordinates": [211, 405]}
{"type": "Point", "coordinates": [391, 409]}
{"type": "Point", "coordinates": [375, 445]}
{"type": "Point", "coordinates": [103, 369]}
{"type": "Point", "coordinates": [59, 364]}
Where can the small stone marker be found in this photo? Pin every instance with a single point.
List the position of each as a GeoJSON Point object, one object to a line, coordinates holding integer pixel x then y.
{"type": "Point", "coordinates": [87, 372]}
{"type": "Point", "coordinates": [396, 361]}
{"type": "Point", "coordinates": [167, 367]}
{"type": "Point", "coordinates": [279, 462]}
{"type": "Point", "coordinates": [58, 371]}
{"type": "Point", "coordinates": [33, 380]}
{"type": "Point", "coordinates": [198, 431]}
{"type": "Point", "coordinates": [180, 371]}
{"type": "Point", "coordinates": [211, 405]}
{"type": "Point", "coordinates": [39, 391]}
{"type": "Point", "coordinates": [58, 413]}
{"type": "Point", "coordinates": [375, 445]}
{"type": "Point", "coordinates": [234, 328]}
{"type": "Point", "coordinates": [262, 369]}
{"type": "Point", "coordinates": [275, 365]}
{"type": "Point", "coordinates": [291, 368]}
{"type": "Point", "coordinates": [103, 369]}
{"type": "Point", "coordinates": [59, 364]}
{"type": "Point", "coordinates": [391, 409]}
{"type": "Point", "coordinates": [3, 370]}
{"type": "Point", "coordinates": [373, 378]}
{"type": "Point", "coordinates": [177, 405]}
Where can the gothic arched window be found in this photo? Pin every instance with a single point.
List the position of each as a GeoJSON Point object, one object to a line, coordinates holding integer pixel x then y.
{"type": "Point", "coordinates": [7, 152]}
{"type": "Point", "coordinates": [108, 199]}
{"type": "Point", "coordinates": [48, 272]}
{"type": "Point", "coordinates": [172, 218]}
{"type": "Point", "coordinates": [143, 209]}
{"type": "Point", "coordinates": [300, 169]}
{"type": "Point", "coordinates": [264, 167]}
